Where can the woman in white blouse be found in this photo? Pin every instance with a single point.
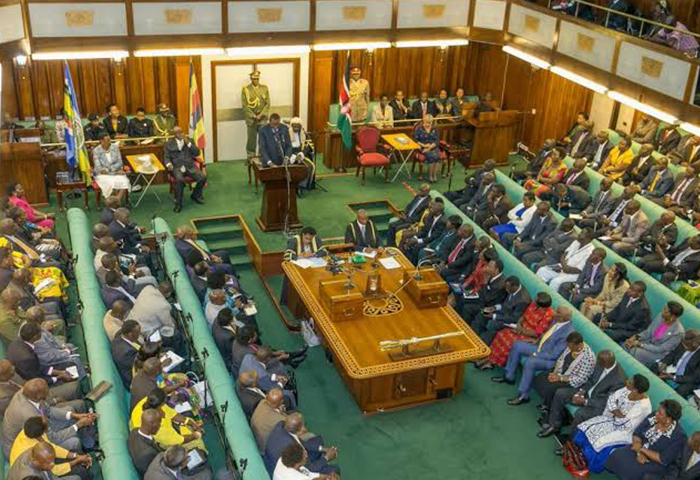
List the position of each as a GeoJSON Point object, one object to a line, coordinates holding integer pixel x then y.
{"type": "Point", "coordinates": [290, 466]}
{"type": "Point", "coordinates": [109, 168]}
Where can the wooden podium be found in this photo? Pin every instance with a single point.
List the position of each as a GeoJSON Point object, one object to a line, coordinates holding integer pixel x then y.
{"type": "Point", "coordinates": [277, 196]}
{"type": "Point", "coordinates": [495, 134]}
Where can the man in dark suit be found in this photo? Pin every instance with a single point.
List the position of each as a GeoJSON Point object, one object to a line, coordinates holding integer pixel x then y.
{"type": "Point", "coordinates": [596, 150]}
{"type": "Point", "coordinates": [532, 237]}
{"type": "Point", "coordinates": [687, 152]}
{"type": "Point", "coordinates": [681, 196]}
{"type": "Point", "coordinates": [480, 199]}
{"type": "Point", "coordinates": [180, 156]}
{"type": "Point", "coordinates": [423, 106]}
{"type": "Point", "coordinates": [114, 290]}
{"type": "Point", "coordinates": [457, 260]}
{"type": "Point", "coordinates": [631, 316]}
{"type": "Point", "coordinates": [172, 464]}
{"type": "Point", "coordinates": [489, 322]}
{"type": "Point", "coordinates": [291, 430]}
{"type": "Point", "coordinates": [26, 362]}
{"type": "Point", "coordinates": [679, 263]}
{"type": "Point", "coordinates": [192, 253]}
{"type": "Point", "coordinates": [658, 181]}
{"type": "Point", "coordinates": [126, 234]}
{"type": "Point", "coordinates": [115, 123]}
{"type": "Point", "coordinates": [590, 281]}
{"type": "Point", "coordinates": [553, 246]}
{"type": "Point", "coordinates": [664, 225]}
{"type": "Point", "coordinates": [496, 209]}
{"type": "Point", "coordinates": [570, 199]}
{"type": "Point", "coordinates": [411, 214]}
{"type": "Point", "coordinates": [111, 206]}
{"type": "Point", "coordinates": [224, 333]}
{"type": "Point", "coordinates": [668, 139]}
{"type": "Point", "coordinates": [471, 185]}
{"type": "Point", "coordinates": [686, 466]}
{"type": "Point", "coordinates": [577, 176]}
{"type": "Point", "coordinates": [579, 139]}
{"type": "Point", "coordinates": [274, 142]}
{"type": "Point", "coordinates": [492, 294]}
{"type": "Point", "coordinates": [362, 233]}
{"type": "Point", "coordinates": [533, 167]}
{"type": "Point", "coordinates": [198, 279]}
{"type": "Point", "coordinates": [604, 224]}
{"type": "Point", "coordinates": [591, 397]}
{"type": "Point", "coordinates": [433, 226]}
{"type": "Point", "coordinates": [142, 447]}
{"type": "Point", "coordinates": [146, 380]}
{"type": "Point", "coordinates": [440, 247]}
{"type": "Point", "coordinates": [601, 206]}
{"type": "Point", "coordinates": [125, 346]}
{"type": "Point", "coordinates": [484, 105]}
{"type": "Point", "coordinates": [640, 166]}
{"type": "Point", "coordinates": [400, 106]}
{"type": "Point", "coordinates": [248, 392]}
{"type": "Point", "coordinates": [681, 367]}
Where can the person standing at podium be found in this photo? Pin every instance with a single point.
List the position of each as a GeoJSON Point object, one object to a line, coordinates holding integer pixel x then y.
{"type": "Point", "coordinates": [180, 159]}
{"type": "Point", "coordinates": [274, 142]}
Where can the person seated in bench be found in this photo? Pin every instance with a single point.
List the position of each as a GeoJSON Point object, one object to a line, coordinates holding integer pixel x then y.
{"type": "Point", "coordinates": [664, 226]}
{"type": "Point", "coordinates": [247, 343]}
{"type": "Point", "coordinates": [658, 182]}
{"type": "Point", "coordinates": [400, 106]}
{"type": "Point", "coordinates": [191, 252]}
{"type": "Point", "coordinates": [624, 239]}
{"type": "Point", "coordinates": [679, 263]}
{"type": "Point", "coordinates": [618, 160]}
{"type": "Point", "coordinates": [681, 367]}
{"type": "Point", "coordinates": [532, 237]}
{"type": "Point", "coordinates": [658, 440]}
{"type": "Point", "coordinates": [681, 197]}
{"type": "Point", "coordinates": [641, 164]}
{"type": "Point", "coordinates": [570, 199]}
{"type": "Point", "coordinates": [535, 164]}
{"type": "Point", "coordinates": [489, 322]}
{"type": "Point", "coordinates": [423, 107]}
{"type": "Point", "coordinates": [135, 281]}
{"type": "Point", "coordinates": [571, 263]}
{"type": "Point", "coordinates": [143, 448]}
{"type": "Point", "coordinates": [629, 317]}
{"type": "Point", "coordinates": [687, 152]}
{"type": "Point", "coordinates": [518, 218]}
{"type": "Point", "coordinates": [495, 212]}
{"type": "Point", "coordinates": [248, 392]}
{"type": "Point", "coordinates": [686, 466]}
{"type": "Point", "coordinates": [645, 131]}
{"type": "Point", "coordinates": [551, 173]}
{"type": "Point", "coordinates": [596, 150]}
{"type": "Point", "coordinates": [439, 249]}
{"type": "Point", "coordinates": [553, 246]}
{"type": "Point", "coordinates": [577, 148]}
{"type": "Point", "coordinates": [461, 259]}
{"type": "Point", "coordinates": [471, 185]}
{"type": "Point", "coordinates": [291, 465]}
{"type": "Point", "coordinates": [480, 198]}
{"type": "Point", "coordinates": [589, 398]}
{"type": "Point", "coordinates": [615, 285]}
{"type": "Point", "coordinates": [540, 355]}
{"type": "Point", "coordinates": [60, 394]}
{"type": "Point", "coordinates": [581, 120]}
{"type": "Point", "coordinates": [433, 226]}
{"type": "Point", "coordinates": [625, 409]}
{"type": "Point", "coordinates": [467, 286]}
{"type": "Point", "coordinates": [271, 373]}
{"type": "Point", "coordinates": [668, 139]}
{"type": "Point", "coordinates": [660, 338]}
{"type": "Point", "coordinates": [125, 346]}
{"type": "Point", "coordinates": [600, 207]}
{"type": "Point", "coordinates": [140, 126]}
{"type": "Point", "coordinates": [172, 465]}
{"type": "Point", "coordinates": [589, 282]}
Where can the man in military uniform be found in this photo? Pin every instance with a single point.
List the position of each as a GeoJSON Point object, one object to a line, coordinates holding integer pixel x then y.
{"type": "Point", "coordinates": [164, 122]}
{"type": "Point", "coordinates": [95, 128]}
{"type": "Point", "coordinates": [359, 96]}
{"type": "Point", "coordinates": [256, 105]}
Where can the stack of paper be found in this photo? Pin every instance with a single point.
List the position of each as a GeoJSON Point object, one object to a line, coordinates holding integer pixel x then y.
{"type": "Point", "coordinates": [390, 263]}
{"type": "Point", "coordinates": [313, 262]}
{"type": "Point", "coordinates": [175, 360]}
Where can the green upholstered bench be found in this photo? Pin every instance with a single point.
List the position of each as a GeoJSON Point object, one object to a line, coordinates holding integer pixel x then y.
{"type": "Point", "coordinates": [593, 336]}
{"type": "Point", "coordinates": [222, 386]}
{"type": "Point", "coordinates": [113, 409]}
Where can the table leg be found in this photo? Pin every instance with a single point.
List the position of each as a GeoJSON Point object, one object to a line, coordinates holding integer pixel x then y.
{"type": "Point", "coordinates": [405, 160]}
{"type": "Point", "coordinates": [147, 185]}
{"type": "Point", "coordinates": [59, 197]}
{"type": "Point", "coordinates": [85, 195]}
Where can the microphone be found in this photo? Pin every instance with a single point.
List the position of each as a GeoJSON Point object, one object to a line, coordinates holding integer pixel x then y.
{"type": "Point", "coordinates": [418, 275]}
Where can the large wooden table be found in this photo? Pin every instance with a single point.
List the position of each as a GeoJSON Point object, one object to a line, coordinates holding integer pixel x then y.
{"type": "Point", "coordinates": [376, 381]}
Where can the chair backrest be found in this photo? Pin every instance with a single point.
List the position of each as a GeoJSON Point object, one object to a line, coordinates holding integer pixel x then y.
{"type": "Point", "coordinates": [367, 138]}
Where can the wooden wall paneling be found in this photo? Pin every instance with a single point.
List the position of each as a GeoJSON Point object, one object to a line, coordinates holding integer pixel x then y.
{"type": "Point", "coordinates": [149, 84]}
{"type": "Point", "coordinates": [320, 91]}
{"type": "Point", "coordinates": [104, 86]}
{"type": "Point", "coordinates": [40, 85]}
{"type": "Point", "coordinates": [9, 93]}
{"type": "Point", "coordinates": [54, 71]}
{"type": "Point", "coordinates": [119, 87]}
{"type": "Point", "coordinates": [182, 86]}
{"type": "Point", "coordinates": [89, 82]}
{"type": "Point", "coordinates": [23, 85]}
{"type": "Point", "coordinates": [134, 77]}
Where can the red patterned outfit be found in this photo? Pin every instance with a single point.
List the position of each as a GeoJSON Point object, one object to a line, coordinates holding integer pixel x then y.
{"type": "Point", "coordinates": [535, 318]}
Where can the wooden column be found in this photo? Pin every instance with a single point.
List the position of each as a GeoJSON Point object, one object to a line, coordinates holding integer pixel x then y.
{"type": "Point", "coordinates": [182, 92]}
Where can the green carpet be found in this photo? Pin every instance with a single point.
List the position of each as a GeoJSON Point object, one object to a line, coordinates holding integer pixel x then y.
{"type": "Point", "coordinates": [474, 435]}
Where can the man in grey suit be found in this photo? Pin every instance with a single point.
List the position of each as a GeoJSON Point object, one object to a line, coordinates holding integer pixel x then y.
{"type": "Point", "coordinates": [591, 397]}
{"type": "Point", "coordinates": [589, 282]}
{"type": "Point", "coordinates": [658, 181]}
{"type": "Point", "coordinates": [180, 159]}
{"type": "Point", "coordinates": [171, 465]}
{"type": "Point", "coordinates": [553, 246]}
{"type": "Point", "coordinates": [625, 238]}
{"type": "Point", "coordinates": [648, 349]}
{"type": "Point", "coordinates": [142, 447]}
{"type": "Point", "coordinates": [64, 422]}
{"type": "Point", "coordinates": [268, 378]}
{"type": "Point", "coordinates": [36, 462]}
{"type": "Point", "coordinates": [680, 197]}
{"type": "Point", "coordinates": [602, 205]}
{"type": "Point", "coordinates": [532, 237]}
{"type": "Point", "coordinates": [50, 350]}
{"type": "Point", "coordinates": [687, 151]}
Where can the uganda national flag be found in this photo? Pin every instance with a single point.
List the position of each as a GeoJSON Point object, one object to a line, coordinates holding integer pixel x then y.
{"type": "Point", "coordinates": [197, 133]}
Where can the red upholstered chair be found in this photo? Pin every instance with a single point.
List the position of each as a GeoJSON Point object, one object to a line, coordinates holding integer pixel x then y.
{"type": "Point", "coordinates": [188, 180]}
{"type": "Point", "coordinates": [368, 152]}
{"type": "Point", "coordinates": [419, 158]}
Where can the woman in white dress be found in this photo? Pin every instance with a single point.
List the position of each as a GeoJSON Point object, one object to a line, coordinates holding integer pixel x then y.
{"type": "Point", "coordinates": [290, 466]}
{"type": "Point", "coordinates": [109, 168]}
{"type": "Point", "coordinates": [625, 410]}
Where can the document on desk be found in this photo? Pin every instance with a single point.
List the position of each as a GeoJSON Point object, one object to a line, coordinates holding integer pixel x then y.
{"type": "Point", "coordinates": [313, 262]}
{"type": "Point", "coordinates": [390, 263]}
{"type": "Point", "coordinates": [372, 254]}
{"type": "Point", "coordinates": [175, 360]}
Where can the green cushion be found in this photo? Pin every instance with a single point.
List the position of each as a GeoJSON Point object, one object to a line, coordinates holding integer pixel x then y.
{"type": "Point", "coordinates": [112, 408]}
{"type": "Point", "coordinates": [222, 386]}
{"type": "Point", "coordinates": [593, 336]}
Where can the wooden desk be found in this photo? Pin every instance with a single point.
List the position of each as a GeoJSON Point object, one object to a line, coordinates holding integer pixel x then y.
{"type": "Point", "coordinates": [495, 136]}
{"type": "Point", "coordinates": [376, 381]}
{"type": "Point", "coordinates": [22, 162]}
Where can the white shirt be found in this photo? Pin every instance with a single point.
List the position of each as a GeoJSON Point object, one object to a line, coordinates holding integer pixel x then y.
{"type": "Point", "coordinates": [282, 472]}
{"type": "Point", "coordinates": [180, 144]}
{"type": "Point", "coordinates": [681, 256]}
{"type": "Point", "coordinates": [525, 218]}
{"type": "Point", "coordinates": [600, 379]}
{"type": "Point", "coordinates": [694, 458]}
{"type": "Point", "coordinates": [577, 256]}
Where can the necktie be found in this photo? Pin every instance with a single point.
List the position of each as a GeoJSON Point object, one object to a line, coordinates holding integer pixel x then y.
{"type": "Point", "coordinates": [574, 150]}
{"type": "Point", "coordinates": [601, 201]}
{"type": "Point", "coordinates": [598, 154]}
{"type": "Point", "coordinates": [413, 209]}
{"type": "Point", "coordinates": [425, 108]}
{"type": "Point", "coordinates": [618, 211]}
{"type": "Point", "coordinates": [572, 178]}
{"type": "Point", "coordinates": [676, 197]}
{"type": "Point", "coordinates": [656, 180]}
{"type": "Point", "coordinates": [362, 230]}
{"type": "Point", "coordinates": [680, 370]}
{"type": "Point", "coordinates": [594, 270]}
{"type": "Point", "coordinates": [600, 379]}
{"type": "Point", "coordinates": [430, 230]}
{"type": "Point", "coordinates": [456, 250]}
{"type": "Point", "coordinates": [545, 337]}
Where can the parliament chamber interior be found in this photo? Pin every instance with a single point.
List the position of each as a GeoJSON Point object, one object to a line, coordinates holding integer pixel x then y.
{"type": "Point", "coordinates": [358, 239]}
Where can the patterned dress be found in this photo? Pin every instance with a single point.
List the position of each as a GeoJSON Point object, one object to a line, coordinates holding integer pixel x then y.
{"type": "Point", "coordinates": [535, 318]}
{"type": "Point", "coordinates": [549, 171]}
{"type": "Point", "coordinates": [477, 279]}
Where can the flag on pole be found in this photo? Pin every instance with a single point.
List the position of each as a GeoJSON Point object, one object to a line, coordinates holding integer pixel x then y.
{"type": "Point", "coordinates": [76, 153]}
{"type": "Point", "coordinates": [344, 119]}
{"type": "Point", "coordinates": [197, 132]}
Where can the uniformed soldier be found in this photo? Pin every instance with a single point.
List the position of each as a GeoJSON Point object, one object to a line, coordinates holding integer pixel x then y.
{"type": "Point", "coordinates": [95, 128]}
{"type": "Point", "coordinates": [256, 105]}
{"type": "Point", "coordinates": [140, 126]}
{"type": "Point", "coordinates": [165, 121]}
{"type": "Point", "coordinates": [359, 96]}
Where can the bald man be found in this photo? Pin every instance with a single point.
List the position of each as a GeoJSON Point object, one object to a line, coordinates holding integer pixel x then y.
{"type": "Point", "coordinates": [11, 316]}
{"type": "Point", "coordinates": [36, 462]}
{"type": "Point", "coordinates": [64, 421]}
{"type": "Point", "coordinates": [192, 252]}
{"type": "Point", "coordinates": [362, 233]}
{"type": "Point", "coordinates": [180, 155]}
{"type": "Point", "coordinates": [115, 317]}
{"type": "Point", "coordinates": [267, 414]}
{"type": "Point", "coordinates": [142, 447]}
{"type": "Point", "coordinates": [267, 377]}
{"type": "Point", "coordinates": [248, 392]}
{"type": "Point", "coordinates": [146, 380]}
{"type": "Point", "coordinates": [171, 465]}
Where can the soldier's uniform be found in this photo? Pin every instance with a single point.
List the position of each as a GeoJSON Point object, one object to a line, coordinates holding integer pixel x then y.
{"type": "Point", "coordinates": [165, 122]}
{"type": "Point", "coordinates": [256, 101]}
